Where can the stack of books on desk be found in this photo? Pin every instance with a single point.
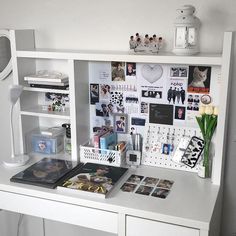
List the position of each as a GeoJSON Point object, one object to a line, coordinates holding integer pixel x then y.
{"type": "Point", "coordinates": [48, 80]}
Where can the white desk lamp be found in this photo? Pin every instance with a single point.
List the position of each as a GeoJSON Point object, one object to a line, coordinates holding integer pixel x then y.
{"type": "Point", "coordinates": [16, 159]}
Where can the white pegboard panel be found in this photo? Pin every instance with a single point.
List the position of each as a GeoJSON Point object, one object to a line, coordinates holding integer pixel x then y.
{"type": "Point", "coordinates": [156, 135]}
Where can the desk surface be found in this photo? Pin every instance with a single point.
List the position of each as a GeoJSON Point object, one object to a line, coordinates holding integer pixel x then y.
{"type": "Point", "coordinates": [191, 200]}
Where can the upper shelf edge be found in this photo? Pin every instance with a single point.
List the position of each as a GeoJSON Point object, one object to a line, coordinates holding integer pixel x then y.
{"type": "Point", "coordinates": [163, 58]}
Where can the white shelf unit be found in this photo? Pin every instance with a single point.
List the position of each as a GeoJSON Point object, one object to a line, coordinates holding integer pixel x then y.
{"type": "Point", "coordinates": [30, 106]}
{"type": "Point", "coordinates": [28, 59]}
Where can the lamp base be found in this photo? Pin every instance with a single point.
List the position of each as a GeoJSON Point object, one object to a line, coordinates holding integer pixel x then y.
{"type": "Point", "coordinates": [185, 51]}
{"type": "Point", "coordinates": [16, 161]}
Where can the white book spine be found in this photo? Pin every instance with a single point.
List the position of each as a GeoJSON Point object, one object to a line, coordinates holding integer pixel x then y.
{"type": "Point", "coordinates": [42, 79]}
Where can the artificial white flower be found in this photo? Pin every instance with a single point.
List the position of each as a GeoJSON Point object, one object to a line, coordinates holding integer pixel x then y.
{"type": "Point", "coordinates": [209, 110]}
{"type": "Point", "coordinates": [216, 111]}
{"type": "Point", "coordinates": [202, 110]}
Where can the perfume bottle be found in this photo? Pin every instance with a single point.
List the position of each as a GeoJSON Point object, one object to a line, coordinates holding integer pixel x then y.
{"type": "Point", "coordinates": [67, 141]}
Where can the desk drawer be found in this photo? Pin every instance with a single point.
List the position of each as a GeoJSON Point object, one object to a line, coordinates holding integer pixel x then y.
{"type": "Point", "coordinates": [58, 211]}
{"type": "Point", "coordinates": [140, 227]}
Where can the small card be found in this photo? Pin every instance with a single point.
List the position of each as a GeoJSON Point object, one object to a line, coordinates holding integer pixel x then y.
{"type": "Point", "coordinates": [160, 193]}
{"type": "Point", "coordinates": [144, 190]}
{"type": "Point", "coordinates": [94, 93]}
{"type": "Point", "coordinates": [135, 179]}
{"type": "Point", "coordinates": [164, 183]}
{"type": "Point", "coordinates": [128, 187]}
{"type": "Point", "coordinates": [149, 181]}
{"type": "Point", "coordinates": [138, 121]}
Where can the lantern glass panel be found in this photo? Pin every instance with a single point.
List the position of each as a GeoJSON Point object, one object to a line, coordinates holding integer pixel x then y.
{"type": "Point", "coordinates": [180, 37]}
{"type": "Point", "coordinates": [191, 36]}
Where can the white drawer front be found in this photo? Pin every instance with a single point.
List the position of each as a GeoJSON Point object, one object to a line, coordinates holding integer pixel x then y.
{"type": "Point", "coordinates": [58, 211]}
{"type": "Point", "coordinates": [140, 227]}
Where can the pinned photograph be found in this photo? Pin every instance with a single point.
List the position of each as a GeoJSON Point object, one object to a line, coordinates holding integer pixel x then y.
{"type": "Point", "coordinates": [135, 179]}
{"type": "Point", "coordinates": [105, 92]}
{"type": "Point", "coordinates": [128, 187]}
{"type": "Point", "coordinates": [118, 71]}
{"type": "Point", "coordinates": [178, 72]}
{"type": "Point", "coordinates": [166, 148]}
{"type": "Point", "coordinates": [144, 190]}
{"type": "Point", "coordinates": [176, 95]}
{"type": "Point", "coordinates": [94, 93]}
{"type": "Point", "coordinates": [199, 79]}
{"type": "Point", "coordinates": [120, 122]}
{"type": "Point", "coordinates": [180, 113]}
{"type": "Point", "coordinates": [164, 183]}
{"type": "Point", "coordinates": [102, 109]}
{"type": "Point", "coordinates": [130, 69]}
{"type": "Point", "coordinates": [144, 108]}
{"type": "Point", "coordinates": [151, 94]}
{"type": "Point", "coordinates": [193, 102]}
{"type": "Point", "coordinates": [160, 193]}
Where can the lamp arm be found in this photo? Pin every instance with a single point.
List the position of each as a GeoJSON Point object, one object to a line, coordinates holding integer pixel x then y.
{"type": "Point", "coordinates": [12, 132]}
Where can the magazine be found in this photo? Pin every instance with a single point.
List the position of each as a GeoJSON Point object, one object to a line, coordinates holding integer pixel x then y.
{"type": "Point", "coordinates": [93, 179]}
{"type": "Point", "coordinates": [47, 172]}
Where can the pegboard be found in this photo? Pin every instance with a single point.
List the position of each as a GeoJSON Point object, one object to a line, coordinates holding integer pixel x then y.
{"type": "Point", "coordinates": [156, 135]}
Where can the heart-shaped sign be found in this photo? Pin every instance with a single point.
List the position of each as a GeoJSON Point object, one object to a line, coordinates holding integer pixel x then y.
{"type": "Point", "coordinates": [152, 73]}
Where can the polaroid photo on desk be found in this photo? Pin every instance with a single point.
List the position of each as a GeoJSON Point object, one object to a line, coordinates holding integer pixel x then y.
{"type": "Point", "coordinates": [165, 183]}
{"type": "Point", "coordinates": [144, 190]}
{"type": "Point", "coordinates": [160, 193]}
{"type": "Point", "coordinates": [150, 181]}
{"type": "Point", "coordinates": [128, 187]}
{"type": "Point", "coordinates": [135, 179]}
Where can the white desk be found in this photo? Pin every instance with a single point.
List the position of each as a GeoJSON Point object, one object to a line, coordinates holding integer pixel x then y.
{"type": "Point", "coordinates": [187, 211]}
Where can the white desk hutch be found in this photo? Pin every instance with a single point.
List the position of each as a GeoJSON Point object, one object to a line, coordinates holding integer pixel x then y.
{"type": "Point", "coordinates": [194, 206]}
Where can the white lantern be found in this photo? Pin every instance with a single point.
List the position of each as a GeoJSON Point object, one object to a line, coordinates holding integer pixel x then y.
{"type": "Point", "coordinates": [186, 31]}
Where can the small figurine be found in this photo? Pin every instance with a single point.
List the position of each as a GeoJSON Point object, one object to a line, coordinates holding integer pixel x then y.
{"type": "Point", "coordinates": [137, 36]}
{"type": "Point", "coordinates": [132, 43]}
{"type": "Point", "coordinates": [146, 39]}
{"type": "Point", "coordinates": [147, 44]}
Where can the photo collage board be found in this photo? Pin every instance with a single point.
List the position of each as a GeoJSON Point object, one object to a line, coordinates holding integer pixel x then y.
{"type": "Point", "coordinates": [133, 94]}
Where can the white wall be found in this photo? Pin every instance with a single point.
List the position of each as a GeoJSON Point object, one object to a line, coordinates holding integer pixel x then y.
{"type": "Point", "coordinates": [107, 24]}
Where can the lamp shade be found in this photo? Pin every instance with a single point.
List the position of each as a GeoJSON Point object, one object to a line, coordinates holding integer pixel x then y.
{"type": "Point", "coordinates": [14, 93]}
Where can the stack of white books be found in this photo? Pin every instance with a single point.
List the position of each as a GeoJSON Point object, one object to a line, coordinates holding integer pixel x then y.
{"type": "Point", "coordinates": [48, 79]}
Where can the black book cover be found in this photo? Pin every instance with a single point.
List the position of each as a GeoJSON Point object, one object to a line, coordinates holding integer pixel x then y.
{"type": "Point", "coordinates": [47, 172]}
{"type": "Point", "coordinates": [93, 179]}
{"type": "Point", "coordinates": [49, 86]}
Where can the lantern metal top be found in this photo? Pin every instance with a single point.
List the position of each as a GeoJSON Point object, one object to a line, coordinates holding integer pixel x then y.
{"type": "Point", "coordinates": [185, 16]}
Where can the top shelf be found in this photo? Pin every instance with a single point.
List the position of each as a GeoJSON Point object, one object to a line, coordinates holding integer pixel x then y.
{"type": "Point", "coordinates": [93, 55]}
